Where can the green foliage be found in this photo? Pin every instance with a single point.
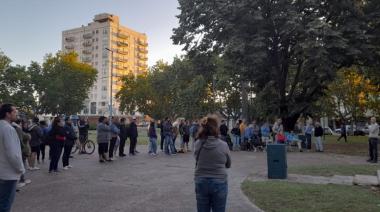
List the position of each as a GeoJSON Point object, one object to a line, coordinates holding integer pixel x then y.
{"type": "Point", "coordinates": [16, 85]}
{"type": "Point", "coordinates": [177, 90]}
{"type": "Point", "coordinates": [62, 83]}
{"type": "Point", "coordinates": [287, 51]}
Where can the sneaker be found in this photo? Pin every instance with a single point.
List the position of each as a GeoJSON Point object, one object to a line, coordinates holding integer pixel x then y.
{"type": "Point", "coordinates": [137, 151]}
{"type": "Point", "coordinates": [112, 159]}
{"type": "Point", "coordinates": [70, 166]}
{"type": "Point", "coordinates": [27, 181]}
{"type": "Point", "coordinates": [36, 168]}
{"type": "Point", "coordinates": [66, 168]}
{"type": "Point", "coordinates": [20, 185]}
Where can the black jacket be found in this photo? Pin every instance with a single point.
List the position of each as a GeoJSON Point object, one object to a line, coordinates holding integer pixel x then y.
{"type": "Point", "coordinates": [318, 131]}
{"type": "Point", "coordinates": [123, 131]}
{"type": "Point", "coordinates": [83, 127]}
{"type": "Point", "coordinates": [133, 130]}
{"type": "Point", "coordinates": [70, 135]}
{"type": "Point", "coordinates": [223, 130]}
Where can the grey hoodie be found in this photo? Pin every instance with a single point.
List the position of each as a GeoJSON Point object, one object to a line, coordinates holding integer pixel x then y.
{"type": "Point", "coordinates": [214, 158]}
{"type": "Point", "coordinates": [11, 165]}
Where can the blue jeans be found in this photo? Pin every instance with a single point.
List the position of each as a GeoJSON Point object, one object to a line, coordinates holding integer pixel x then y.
{"type": "Point", "coordinates": [169, 145]}
{"type": "Point", "coordinates": [7, 194]}
{"type": "Point", "coordinates": [211, 194]}
{"type": "Point", "coordinates": [236, 141]}
{"type": "Point", "coordinates": [318, 143]}
{"type": "Point", "coordinates": [153, 145]}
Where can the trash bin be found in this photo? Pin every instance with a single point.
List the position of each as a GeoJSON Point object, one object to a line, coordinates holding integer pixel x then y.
{"type": "Point", "coordinates": [276, 160]}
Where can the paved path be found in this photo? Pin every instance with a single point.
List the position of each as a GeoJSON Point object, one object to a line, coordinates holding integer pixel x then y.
{"type": "Point", "coordinates": [143, 183]}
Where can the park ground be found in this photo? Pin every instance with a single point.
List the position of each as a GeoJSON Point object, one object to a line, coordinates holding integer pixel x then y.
{"type": "Point", "coordinates": [165, 183]}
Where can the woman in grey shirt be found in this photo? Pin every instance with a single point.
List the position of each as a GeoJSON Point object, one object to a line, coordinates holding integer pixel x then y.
{"type": "Point", "coordinates": [103, 131]}
{"type": "Point", "coordinates": [212, 159]}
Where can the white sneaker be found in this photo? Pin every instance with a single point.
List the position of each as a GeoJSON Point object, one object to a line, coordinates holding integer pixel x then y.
{"type": "Point", "coordinates": [66, 168]}
{"type": "Point", "coordinates": [112, 159]}
{"type": "Point", "coordinates": [27, 181]}
{"type": "Point", "coordinates": [70, 166]}
{"type": "Point", "coordinates": [36, 168]}
{"type": "Point", "coordinates": [20, 185]}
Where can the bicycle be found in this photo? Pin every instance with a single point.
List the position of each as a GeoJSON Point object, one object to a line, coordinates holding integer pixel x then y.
{"type": "Point", "coordinates": [89, 146]}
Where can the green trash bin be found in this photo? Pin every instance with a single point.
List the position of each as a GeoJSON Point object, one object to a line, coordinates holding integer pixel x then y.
{"type": "Point", "coordinates": [276, 160]}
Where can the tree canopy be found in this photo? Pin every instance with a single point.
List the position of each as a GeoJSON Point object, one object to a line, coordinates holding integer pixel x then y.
{"type": "Point", "coordinates": [286, 52]}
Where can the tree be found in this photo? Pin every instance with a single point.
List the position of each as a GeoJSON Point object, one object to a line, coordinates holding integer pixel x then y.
{"type": "Point", "coordinates": [16, 85]}
{"type": "Point", "coordinates": [177, 90]}
{"type": "Point", "coordinates": [287, 51]}
{"type": "Point", "coordinates": [62, 83]}
{"type": "Point", "coordinates": [351, 96]}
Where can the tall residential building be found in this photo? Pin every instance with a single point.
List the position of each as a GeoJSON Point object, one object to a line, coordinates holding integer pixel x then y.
{"type": "Point", "coordinates": [91, 43]}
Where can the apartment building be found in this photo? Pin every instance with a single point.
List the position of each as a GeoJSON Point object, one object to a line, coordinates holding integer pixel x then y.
{"type": "Point", "coordinates": [107, 46]}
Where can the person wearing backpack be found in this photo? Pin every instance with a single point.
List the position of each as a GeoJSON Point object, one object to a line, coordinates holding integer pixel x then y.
{"type": "Point", "coordinates": [44, 140]}
{"type": "Point", "coordinates": [186, 135]}
{"type": "Point", "coordinates": [69, 143]}
{"type": "Point", "coordinates": [35, 142]}
{"type": "Point", "coordinates": [236, 137]}
{"type": "Point", "coordinates": [152, 138]}
{"type": "Point", "coordinates": [25, 149]}
{"type": "Point", "coordinates": [193, 133]}
{"type": "Point", "coordinates": [212, 159]}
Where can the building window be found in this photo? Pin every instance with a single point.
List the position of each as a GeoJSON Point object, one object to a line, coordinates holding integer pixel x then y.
{"type": "Point", "coordinates": [97, 31]}
{"type": "Point", "coordinates": [105, 31]}
{"type": "Point", "coordinates": [96, 39]}
{"type": "Point", "coordinates": [93, 108]}
{"type": "Point", "coordinates": [96, 55]}
{"type": "Point", "coordinates": [103, 104]}
{"type": "Point", "coordinates": [96, 47]}
{"type": "Point", "coordinates": [104, 88]}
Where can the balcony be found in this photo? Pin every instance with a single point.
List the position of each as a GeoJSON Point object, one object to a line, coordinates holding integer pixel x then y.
{"type": "Point", "coordinates": [87, 43]}
{"type": "Point", "coordinates": [86, 51]}
{"type": "Point", "coordinates": [70, 39]}
{"type": "Point", "coordinates": [121, 52]}
{"type": "Point", "coordinates": [142, 57]}
{"type": "Point", "coordinates": [142, 43]}
{"type": "Point", "coordinates": [86, 59]}
{"type": "Point", "coordinates": [121, 43]}
{"type": "Point", "coordinates": [122, 35]}
{"type": "Point", "coordinates": [69, 47]}
{"type": "Point", "coordinates": [120, 59]}
{"type": "Point", "coordinates": [142, 65]}
{"type": "Point", "coordinates": [142, 50]}
{"type": "Point", "coordinates": [87, 35]}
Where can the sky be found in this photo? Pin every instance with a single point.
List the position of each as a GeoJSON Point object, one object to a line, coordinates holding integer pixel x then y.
{"type": "Point", "coordinates": [32, 28]}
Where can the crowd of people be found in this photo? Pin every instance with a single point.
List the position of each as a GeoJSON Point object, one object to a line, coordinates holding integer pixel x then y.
{"type": "Point", "coordinates": [23, 144]}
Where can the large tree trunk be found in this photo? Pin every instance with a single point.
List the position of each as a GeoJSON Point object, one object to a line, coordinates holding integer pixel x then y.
{"type": "Point", "coordinates": [289, 122]}
{"type": "Point", "coordinates": [244, 100]}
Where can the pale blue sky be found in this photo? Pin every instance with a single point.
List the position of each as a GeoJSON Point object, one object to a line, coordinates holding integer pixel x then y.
{"type": "Point", "coordinates": [31, 28]}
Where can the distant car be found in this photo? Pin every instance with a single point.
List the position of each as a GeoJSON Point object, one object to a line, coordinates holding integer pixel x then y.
{"type": "Point", "coordinates": [329, 131]}
{"type": "Point", "coordinates": [357, 131]}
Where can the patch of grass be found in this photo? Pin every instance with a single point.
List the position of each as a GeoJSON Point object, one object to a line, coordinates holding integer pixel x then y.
{"type": "Point", "coordinates": [293, 197]}
{"type": "Point", "coordinates": [142, 139]}
{"type": "Point", "coordinates": [356, 145]}
{"type": "Point", "coordinates": [330, 170]}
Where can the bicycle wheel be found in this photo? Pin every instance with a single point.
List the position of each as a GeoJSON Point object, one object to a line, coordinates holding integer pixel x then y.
{"type": "Point", "coordinates": [89, 147]}
{"type": "Point", "coordinates": [74, 149]}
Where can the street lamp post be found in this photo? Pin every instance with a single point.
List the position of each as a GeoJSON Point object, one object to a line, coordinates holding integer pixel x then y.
{"type": "Point", "coordinates": [110, 108]}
